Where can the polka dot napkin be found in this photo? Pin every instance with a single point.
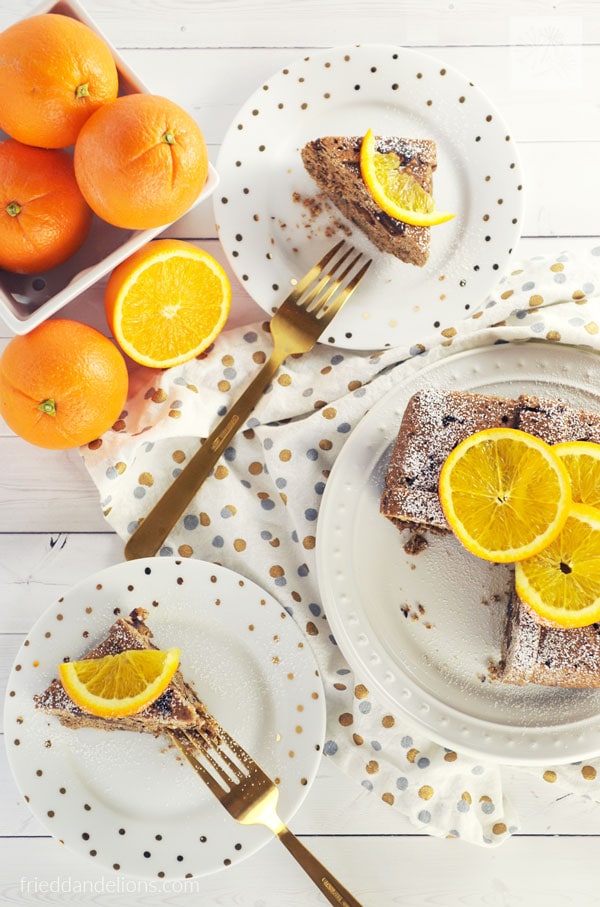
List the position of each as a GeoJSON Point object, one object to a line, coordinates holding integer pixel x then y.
{"type": "Point", "coordinates": [257, 513]}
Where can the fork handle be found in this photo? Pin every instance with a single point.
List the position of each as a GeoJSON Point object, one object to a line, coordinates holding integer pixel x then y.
{"type": "Point", "coordinates": [156, 525]}
{"type": "Point", "coordinates": [329, 886]}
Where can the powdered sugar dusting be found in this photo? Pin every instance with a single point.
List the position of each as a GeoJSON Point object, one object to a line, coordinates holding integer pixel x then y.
{"type": "Point", "coordinates": [334, 164]}
{"type": "Point", "coordinates": [435, 421]}
{"type": "Point", "coordinates": [555, 422]}
{"type": "Point", "coordinates": [178, 706]}
{"type": "Point", "coordinates": [538, 652]}
{"type": "Point", "coordinates": [424, 507]}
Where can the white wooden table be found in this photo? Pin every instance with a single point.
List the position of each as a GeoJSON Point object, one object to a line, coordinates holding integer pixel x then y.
{"type": "Point", "coordinates": [539, 62]}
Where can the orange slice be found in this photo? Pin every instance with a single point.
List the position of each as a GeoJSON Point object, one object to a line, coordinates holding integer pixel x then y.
{"type": "Point", "coordinates": [562, 582]}
{"type": "Point", "coordinates": [395, 190]}
{"type": "Point", "coordinates": [505, 494]}
{"type": "Point", "coordinates": [167, 303]}
{"type": "Point", "coordinates": [582, 459]}
{"type": "Point", "coordinates": [119, 685]}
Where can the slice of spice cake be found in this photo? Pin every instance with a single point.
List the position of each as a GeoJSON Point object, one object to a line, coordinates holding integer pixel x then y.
{"type": "Point", "coordinates": [334, 164]}
{"type": "Point", "coordinates": [177, 708]}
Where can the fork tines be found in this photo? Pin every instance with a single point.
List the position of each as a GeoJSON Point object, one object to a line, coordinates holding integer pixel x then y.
{"type": "Point", "coordinates": [323, 288]}
{"type": "Point", "coordinates": [210, 759]}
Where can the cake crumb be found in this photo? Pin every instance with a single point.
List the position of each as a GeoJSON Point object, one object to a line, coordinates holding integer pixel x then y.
{"type": "Point", "coordinates": [415, 613]}
{"type": "Point", "coordinates": [417, 542]}
{"type": "Point", "coordinates": [314, 207]}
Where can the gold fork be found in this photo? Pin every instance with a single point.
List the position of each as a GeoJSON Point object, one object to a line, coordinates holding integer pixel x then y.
{"type": "Point", "coordinates": [249, 795]}
{"type": "Point", "coordinates": [295, 328]}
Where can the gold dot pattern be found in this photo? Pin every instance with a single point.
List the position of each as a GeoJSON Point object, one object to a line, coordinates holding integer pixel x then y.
{"type": "Point", "coordinates": [257, 513]}
{"type": "Point", "coordinates": [255, 235]}
{"type": "Point", "coordinates": [244, 610]}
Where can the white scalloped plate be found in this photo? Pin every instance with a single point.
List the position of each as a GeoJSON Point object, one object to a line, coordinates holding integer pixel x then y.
{"type": "Point", "coordinates": [268, 226]}
{"type": "Point", "coordinates": [125, 800]}
{"type": "Point", "coordinates": [421, 630]}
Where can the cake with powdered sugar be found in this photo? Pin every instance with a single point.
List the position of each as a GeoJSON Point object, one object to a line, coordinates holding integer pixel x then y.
{"type": "Point", "coordinates": [334, 164]}
{"type": "Point", "coordinates": [537, 652]}
{"type": "Point", "coordinates": [556, 422]}
{"type": "Point", "coordinates": [433, 423]}
{"type": "Point", "coordinates": [177, 708]}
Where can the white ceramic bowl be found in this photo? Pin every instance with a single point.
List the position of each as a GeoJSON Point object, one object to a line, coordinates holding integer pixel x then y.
{"type": "Point", "coordinates": [28, 299]}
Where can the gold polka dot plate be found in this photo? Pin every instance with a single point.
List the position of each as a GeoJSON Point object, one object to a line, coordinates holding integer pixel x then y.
{"type": "Point", "coordinates": [125, 800]}
{"type": "Point", "coordinates": [274, 224]}
{"type": "Point", "coordinates": [421, 630]}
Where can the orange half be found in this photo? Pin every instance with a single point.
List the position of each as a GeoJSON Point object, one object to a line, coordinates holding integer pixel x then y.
{"type": "Point", "coordinates": [167, 303]}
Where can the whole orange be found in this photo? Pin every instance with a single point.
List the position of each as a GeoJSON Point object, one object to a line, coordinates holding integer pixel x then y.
{"type": "Point", "coordinates": [54, 73]}
{"type": "Point", "coordinates": [43, 215]}
{"type": "Point", "coordinates": [62, 385]}
{"type": "Point", "coordinates": [141, 161]}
